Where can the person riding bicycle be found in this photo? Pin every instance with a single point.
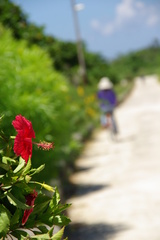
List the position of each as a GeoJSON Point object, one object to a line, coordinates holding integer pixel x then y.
{"type": "Point", "coordinates": [108, 102]}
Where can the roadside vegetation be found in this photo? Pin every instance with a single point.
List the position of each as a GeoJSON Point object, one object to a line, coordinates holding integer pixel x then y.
{"type": "Point", "coordinates": [39, 78]}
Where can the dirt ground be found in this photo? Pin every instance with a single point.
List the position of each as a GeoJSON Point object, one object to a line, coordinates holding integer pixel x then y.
{"type": "Point", "coordinates": [118, 182]}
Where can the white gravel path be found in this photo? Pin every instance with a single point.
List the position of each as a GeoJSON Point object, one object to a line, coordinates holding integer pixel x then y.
{"type": "Point", "coordinates": [118, 183]}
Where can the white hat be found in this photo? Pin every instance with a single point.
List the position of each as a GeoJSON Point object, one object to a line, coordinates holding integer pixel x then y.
{"type": "Point", "coordinates": [104, 83]}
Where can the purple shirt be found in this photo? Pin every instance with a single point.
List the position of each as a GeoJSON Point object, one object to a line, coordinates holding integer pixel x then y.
{"type": "Point", "coordinates": [107, 98]}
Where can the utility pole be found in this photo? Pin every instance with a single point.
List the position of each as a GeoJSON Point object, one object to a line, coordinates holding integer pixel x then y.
{"type": "Point", "coordinates": [80, 54]}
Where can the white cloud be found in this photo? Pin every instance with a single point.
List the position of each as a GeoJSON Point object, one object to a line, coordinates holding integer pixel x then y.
{"type": "Point", "coordinates": [95, 24]}
{"type": "Point", "coordinates": [152, 20]}
{"type": "Point", "coordinates": [129, 12]}
{"type": "Point", "coordinates": [125, 10]}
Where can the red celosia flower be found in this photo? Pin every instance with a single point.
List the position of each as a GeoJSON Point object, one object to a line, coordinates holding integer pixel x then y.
{"type": "Point", "coordinates": [29, 201]}
{"type": "Point", "coordinates": [23, 141]}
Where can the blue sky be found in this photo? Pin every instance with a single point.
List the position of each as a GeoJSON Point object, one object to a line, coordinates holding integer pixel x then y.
{"type": "Point", "coordinates": [108, 27]}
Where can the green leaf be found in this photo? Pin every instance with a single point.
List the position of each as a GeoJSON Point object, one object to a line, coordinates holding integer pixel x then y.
{"type": "Point", "coordinates": [27, 178]}
{"type": "Point", "coordinates": [7, 187]}
{"type": "Point", "coordinates": [58, 235]}
{"type": "Point", "coordinates": [12, 137]}
{"type": "Point", "coordinates": [14, 179]}
{"type": "Point", "coordinates": [4, 166]}
{"type": "Point", "coordinates": [24, 187]}
{"type": "Point", "coordinates": [8, 160]}
{"type": "Point", "coordinates": [61, 220]}
{"type": "Point", "coordinates": [15, 218]}
{"type": "Point", "coordinates": [4, 221]}
{"type": "Point", "coordinates": [55, 199]}
{"type": "Point", "coordinates": [14, 201]}
{"type": "Point", "coordinates": [40, 207]}
{"type": "Point", "coordinates": [61, 208]}
{"type": "Point", "coordinates": [51, 231]}
{"type": "Point", "coordinates": [43, 229]}
{"type": "Point", "coordinates": [21, 164]}
{"type": "Point", "coordinates": [27, 168]}
{"type": "Point", "coordinates": [41, 236]}
{"type": "Point", "coordinates": [19, 234]}
{"type": "Point", "coordinates": [36, 170]}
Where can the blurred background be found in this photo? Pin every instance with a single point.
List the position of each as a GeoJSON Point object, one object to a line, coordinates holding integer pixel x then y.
{"type": "Point", "coordinates": [52, 55]}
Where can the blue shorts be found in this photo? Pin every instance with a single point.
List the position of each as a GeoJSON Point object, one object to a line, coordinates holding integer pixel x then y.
{"type": "Point", "coordinates": [107, 109]}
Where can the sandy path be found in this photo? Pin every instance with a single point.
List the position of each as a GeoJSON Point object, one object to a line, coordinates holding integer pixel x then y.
{"type": "Point", "coordinates": [118, 194]}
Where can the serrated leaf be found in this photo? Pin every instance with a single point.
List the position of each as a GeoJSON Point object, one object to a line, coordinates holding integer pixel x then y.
{"type": "Point", "coordinates": [16, 234]}
{"type": "Point", "coordinates": [58, 235]}
{"type": "Point", "coordinates": [36, 232]}
{"type": "Point", "coordinates": [4, 221]}
{"type": "Point", "coordinates": [41, 236]}
{"type": "Point", "coordinates": [61, 220]}
{"type": "Point", "coordinates": [55, 199]}
{"type": "Point", "coordinates": [43, 229]}
{"type": "Point", "coordinates": [21, 233]}
{"type": "Point", "coordinates": [16, 202]}
{"type": "Point", "coordinates": [51, 231]}
{"type": "Point", "coordinates": [61, 208]}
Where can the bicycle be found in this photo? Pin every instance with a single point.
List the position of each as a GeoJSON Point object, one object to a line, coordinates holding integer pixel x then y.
{"type": "Point", "coordinates": [108, 122]}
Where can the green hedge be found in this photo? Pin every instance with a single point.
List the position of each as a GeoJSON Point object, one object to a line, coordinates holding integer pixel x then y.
{"type": "Point", "coordinates": [59, 112]}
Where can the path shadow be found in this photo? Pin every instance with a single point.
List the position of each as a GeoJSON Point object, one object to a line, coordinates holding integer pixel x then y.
{"type": "Point", "coordinates": [93, 232]}
{"type": "Point", "coordinates": [82, 169]}
{"type": "Point", "coordinates": [128, 138]}
{"type": "Point", "coordinates": [81, 189]}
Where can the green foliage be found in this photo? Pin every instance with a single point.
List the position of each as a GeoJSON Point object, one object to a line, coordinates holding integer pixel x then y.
{"type": "Point", "coordinates": [143, 62]}
{"type": "Point", "coordinates": [13, 17]}
{"type": "Point", "coordinates": [4, 221]}
{"type": "Point", "coordinates": [30, 86]}
{"type": "Point", "coordinates": [15, 184]}
{"type": "Point", "coordinates": [63, 54]}
{"type": "Point", "coordinates": [56, 99]}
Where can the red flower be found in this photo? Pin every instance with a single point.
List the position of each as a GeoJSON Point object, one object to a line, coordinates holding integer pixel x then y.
{"type": "Point", "coordinates": [29, 201]}
{"type": "Point", "coordinates": [23, 140]}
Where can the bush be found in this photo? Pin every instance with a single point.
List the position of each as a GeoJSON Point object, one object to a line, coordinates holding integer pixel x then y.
{"type": "Point", "coordinates": [26, 210]}
{"type": "Point", "coordinates": [29, 85]}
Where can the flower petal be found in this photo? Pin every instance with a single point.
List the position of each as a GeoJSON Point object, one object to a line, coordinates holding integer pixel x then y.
{"type": "Point", "coordinates": [23, 147]}
{"type": "Point", "coordinates": [22, 124]}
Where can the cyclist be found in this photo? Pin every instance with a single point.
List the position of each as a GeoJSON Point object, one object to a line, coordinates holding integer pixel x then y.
{"type": "Point", "coordinates": [108, 102]}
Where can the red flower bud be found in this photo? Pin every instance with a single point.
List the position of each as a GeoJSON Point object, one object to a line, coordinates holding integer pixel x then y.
{"type": "Point", "coordinates": [30, 198]}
